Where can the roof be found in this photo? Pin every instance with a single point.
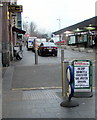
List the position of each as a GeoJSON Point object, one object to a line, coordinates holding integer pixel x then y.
{"type": "Point", "coordinates": [85, 23]}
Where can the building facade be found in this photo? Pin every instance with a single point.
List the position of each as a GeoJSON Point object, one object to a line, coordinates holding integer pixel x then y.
{"type": "Point", "coordinates": [11, 27]}
{"type": "Point", "coordinates": [81, 34]}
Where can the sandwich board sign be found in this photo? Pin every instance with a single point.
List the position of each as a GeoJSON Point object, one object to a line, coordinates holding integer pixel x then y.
{"type": "Point", "coordinates": [82, 76]}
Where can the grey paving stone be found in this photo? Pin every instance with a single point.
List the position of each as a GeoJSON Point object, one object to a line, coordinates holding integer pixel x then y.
{"type": "Point", "coordinates": [22, 116]}
{"type": "Point", "coordinates": [45, 108]}
{"type": "Point", "coordinates": [68, 115]}
{"type": "Point", "coordinates": [48, 105]}
{"type": "Point", "coordinates": [87, 114]}
{"type": "Point", "coordinates": [33, 115]}
{"type": "Point", "coordinates": [7, 78]}
{"type": "Point", "coordinates": [53, 109]}
{"type": "Point", "coordinates": [48, 115]}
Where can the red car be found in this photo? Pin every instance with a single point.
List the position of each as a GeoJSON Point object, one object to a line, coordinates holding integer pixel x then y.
{"type": "Point", "coordinates": [46, 48]}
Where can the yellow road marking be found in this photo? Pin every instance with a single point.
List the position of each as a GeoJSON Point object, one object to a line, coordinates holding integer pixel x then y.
{"type": "Point", "coordinates": [36, 88]}
{"type": "Point", "coordinates": [42, 88]}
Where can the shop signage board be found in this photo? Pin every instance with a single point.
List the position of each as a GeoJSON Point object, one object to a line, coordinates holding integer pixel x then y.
{"type": "Point", "coordinates": [82, 75]}
{"type": "Point", "coordinates": [15, 8]}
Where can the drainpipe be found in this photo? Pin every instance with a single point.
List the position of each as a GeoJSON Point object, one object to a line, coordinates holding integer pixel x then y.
{"type": "Point", "coordinates": [1, 5]}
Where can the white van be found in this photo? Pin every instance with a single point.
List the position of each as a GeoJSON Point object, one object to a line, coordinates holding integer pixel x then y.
{"type": "Point", "coordinates": [30, 43]}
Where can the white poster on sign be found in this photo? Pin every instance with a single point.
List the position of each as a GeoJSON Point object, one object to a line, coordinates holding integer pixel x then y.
{"type": "Point", "coordinates": [81, 77]}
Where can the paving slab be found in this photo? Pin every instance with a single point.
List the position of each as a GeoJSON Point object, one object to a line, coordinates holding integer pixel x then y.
{"type": "Point", "coordinates": [41, 103]}
{"type": "Point", "coordinates": [44, 104]}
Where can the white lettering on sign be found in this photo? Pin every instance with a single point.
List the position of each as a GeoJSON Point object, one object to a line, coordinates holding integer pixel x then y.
{"type": "Point", "coordinates": [81, 76]}
{"type": "Point", "coordinates": [81, 63]}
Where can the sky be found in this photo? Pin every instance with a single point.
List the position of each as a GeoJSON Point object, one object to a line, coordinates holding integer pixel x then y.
{"type": "Point", "coordinates": [52, 15]}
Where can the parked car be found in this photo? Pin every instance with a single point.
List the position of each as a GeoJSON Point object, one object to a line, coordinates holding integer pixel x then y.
{"type": "Point", "coordinates": [46, 48]}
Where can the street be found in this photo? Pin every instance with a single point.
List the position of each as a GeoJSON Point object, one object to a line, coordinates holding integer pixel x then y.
{"type": "Point", "coordinates": [36, 86]}
{"type": "Point", "coordinates": [29, 57]}
{"type": "Point", "coordinates": [47, 73]}
{"type": "Point", "coordinates": [34, 91]}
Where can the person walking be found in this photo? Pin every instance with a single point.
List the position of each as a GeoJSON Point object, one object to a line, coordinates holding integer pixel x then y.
{"type": "Point", "coordinates": [20, 45]}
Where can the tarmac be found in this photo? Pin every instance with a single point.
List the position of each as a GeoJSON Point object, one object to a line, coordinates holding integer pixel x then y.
{"type": "Point", "coordinates": [42, 103]}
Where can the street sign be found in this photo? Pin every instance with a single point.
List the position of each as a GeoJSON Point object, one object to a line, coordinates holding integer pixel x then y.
{"type": "Point", "coordinates": [15, 8]}
{"type": "Point", "coordinates": [82, 75]}
{"type": "Point", "coordinates": [52, 35]}
{"type": "Point", "coordinates": [8, 17]}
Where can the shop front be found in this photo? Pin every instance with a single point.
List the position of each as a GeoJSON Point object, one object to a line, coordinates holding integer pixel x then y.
{"type": "Point", "coordinates": [83, 39]}
{"type": "Point", "coordinates": [83, 33]}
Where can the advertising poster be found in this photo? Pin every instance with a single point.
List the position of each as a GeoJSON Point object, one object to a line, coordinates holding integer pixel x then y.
{"type": "Point", "coordinates": [81, 76]}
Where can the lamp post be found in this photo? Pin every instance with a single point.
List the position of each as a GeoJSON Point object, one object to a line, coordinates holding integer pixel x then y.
{"type": "Point", "coordinates": [59, 22]}
{"type": "Point", "coordinates": [27, 24]}
{"type": "Point", "coordinates": [61, 50]}
{"type": "Point", "coordinates": [59, 29]}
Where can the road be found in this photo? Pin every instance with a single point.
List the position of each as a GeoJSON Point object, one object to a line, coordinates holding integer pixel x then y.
{"type": "Point", "coordinates": [47, 73]}
{"type": "Point", "coordinates": [29, 57]}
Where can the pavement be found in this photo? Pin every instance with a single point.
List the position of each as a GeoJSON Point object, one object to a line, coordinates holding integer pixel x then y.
{"type": "Point", "coordinates": [37, 76]}
{"type": "Point", "coordinates": [43, 102]}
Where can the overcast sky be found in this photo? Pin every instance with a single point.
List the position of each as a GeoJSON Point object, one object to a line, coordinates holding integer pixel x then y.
{"type": "Point", "coordinates": [46, 13]}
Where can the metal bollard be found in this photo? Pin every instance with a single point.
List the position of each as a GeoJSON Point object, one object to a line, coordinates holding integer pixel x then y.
{"type": "Point", "coordinates": [62, 55]}
{"type": "Point", "coordinates": [36, 56]}
{"type": "Point", "coordinates": [64, 81]}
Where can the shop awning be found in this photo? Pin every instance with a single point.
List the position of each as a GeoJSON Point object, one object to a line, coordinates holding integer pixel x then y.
{"type": "Point", "coordinates": [18, 30]}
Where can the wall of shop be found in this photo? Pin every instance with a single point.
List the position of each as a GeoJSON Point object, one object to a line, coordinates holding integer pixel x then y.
{"type": "Point", "coordinates": [85, 39]}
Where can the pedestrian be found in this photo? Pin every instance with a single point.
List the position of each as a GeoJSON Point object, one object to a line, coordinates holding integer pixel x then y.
{"type": "Point", "coordinates": [95, 40]}
{"type": "Point", "coordinates": [20, 45]}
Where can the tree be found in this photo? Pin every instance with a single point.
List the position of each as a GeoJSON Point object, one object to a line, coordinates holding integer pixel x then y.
{"type": "Point", "coordinates": [26, 26]}
{"type": "Point", "coordinates": [46, 36]}
{"type": "Point", "coordinates": [32, 29]}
